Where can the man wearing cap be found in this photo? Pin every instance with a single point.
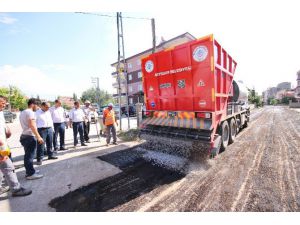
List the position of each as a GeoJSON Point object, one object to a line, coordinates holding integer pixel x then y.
{"type": "Point", "coordinates": [86, 125]}
{"type": "Point", "coordinates": [109, 119]}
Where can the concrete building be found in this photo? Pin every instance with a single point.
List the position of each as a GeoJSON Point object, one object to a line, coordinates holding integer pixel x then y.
{"type": "Point", "coordinates": [135, 88]}
{"type": "Point", "coordinates": [284, 93]}
{"type": "Point", "coordinates": [283, 89]}
{"type": "Point", "coordinates": [284, 86]}
{"type": "Point", "coordinates": [297, 89]}
{"type": "Point", "coordinates": [67, 101]}
{"type": "Point", "coordinates": [269, 93]}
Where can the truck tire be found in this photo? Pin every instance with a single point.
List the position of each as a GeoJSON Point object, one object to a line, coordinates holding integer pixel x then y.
{"type": "Point", "coordinates": [245, 124]}
{"type": "Point", "coordinates": [233, 130]}
{"type": "Point", "coordinates": [225, 135]}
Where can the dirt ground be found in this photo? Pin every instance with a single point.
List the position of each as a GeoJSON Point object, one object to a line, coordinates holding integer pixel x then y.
{"type": "Point", "coordinates": [259, 172]}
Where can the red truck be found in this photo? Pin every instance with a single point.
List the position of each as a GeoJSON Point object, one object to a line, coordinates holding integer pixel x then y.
{"type": "Point", "coordinates": [190, 94]}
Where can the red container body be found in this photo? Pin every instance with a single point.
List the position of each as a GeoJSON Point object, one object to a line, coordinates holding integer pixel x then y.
{"type": "Point", "coordinates": [192, 77]}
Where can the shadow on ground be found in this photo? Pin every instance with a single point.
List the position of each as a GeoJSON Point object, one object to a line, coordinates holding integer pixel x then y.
{"type": "Point", "coordinates": [61, 153]}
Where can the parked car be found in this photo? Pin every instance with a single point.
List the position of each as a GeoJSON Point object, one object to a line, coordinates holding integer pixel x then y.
{"type": "Point", "coordinates": [9, 116]}
{"type": "Point", "coordinates": [132, 110]}
{"type": "Point", "coordinates": [117, 110]}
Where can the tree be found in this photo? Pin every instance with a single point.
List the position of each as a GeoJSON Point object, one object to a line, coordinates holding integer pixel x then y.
{"type": "Point", "coordinates": [16, 98]}
{"type": "Point", "coordinates": [92, 93]}
{"type": "Point", "coordinates": [66, 106]}
{"type": "Point", "coordinates": [75, 97]}
{"type": "Point", "coordinates": [286, 100]}
{"type": "Point", "coordinates": [269, 100]}
{"type": "Point", "coordinates": [254, 98]}
{"type": "Point", "coordinates": [273, 102]}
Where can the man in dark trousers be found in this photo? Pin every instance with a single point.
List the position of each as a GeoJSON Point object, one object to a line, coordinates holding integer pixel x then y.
{"type": "Point", "coordinates": [77, 118]}
{"type": "Point", "coordinates": [87, 109]}
{"type": "Point", "coordinates": [30, 138]}
{"type": "Point", "coordinates": [44, 124]}
{"type": "Point", "coordinates": [58, 114]}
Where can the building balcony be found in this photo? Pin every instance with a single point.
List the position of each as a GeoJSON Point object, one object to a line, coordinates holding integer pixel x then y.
{"type": "Point", "coordinates": [117, 95]}
{"type": "Point", "coordinates": [116, 84]}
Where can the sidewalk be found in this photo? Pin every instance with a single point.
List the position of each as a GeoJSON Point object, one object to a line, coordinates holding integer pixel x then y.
{"type": "Point", "coordinates": [74, 168]}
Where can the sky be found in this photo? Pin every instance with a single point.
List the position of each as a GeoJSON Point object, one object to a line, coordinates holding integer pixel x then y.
{"type": "Point", "coordinates": [53, 54]}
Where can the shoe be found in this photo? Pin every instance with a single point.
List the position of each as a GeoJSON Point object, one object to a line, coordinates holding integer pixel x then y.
{"type": "Point", "coordinates": [115, 143]}
{"type": "Point", "coordinates": [63, 149]}
{"type": "Point", "coordinates": [52, 157]}
{"type": "Point", "coordinates": [83, 144]}
{"type": "Point", "coordinates": [34, 176]}
{"type": "Point", "coordinates": [88, 141]}
{"type": "Point", "coordinates": [55, 149]}
{"type": "Point", "coordinates": [4, 190]}
{"type": "Point", "coordinates": [107, 145]}
{"type": "Point", "coordinates": [39, 162]}
{"type": "Point", "coordinates": [21, 192]}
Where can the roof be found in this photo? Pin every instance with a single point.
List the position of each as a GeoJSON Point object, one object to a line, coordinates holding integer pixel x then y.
{"type": "Point", "coordinates": [186, 34]}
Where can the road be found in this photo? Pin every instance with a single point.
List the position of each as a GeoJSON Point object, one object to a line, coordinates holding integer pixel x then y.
{"type": "Point", "coordinates": [260, 171]}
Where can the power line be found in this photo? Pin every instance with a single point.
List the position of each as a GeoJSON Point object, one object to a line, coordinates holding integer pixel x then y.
{"type": "Point", "coordinates": [106, 15]}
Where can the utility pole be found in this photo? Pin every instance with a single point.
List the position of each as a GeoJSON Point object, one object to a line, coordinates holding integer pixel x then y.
{"type": "Point", "coordinates": [119, 70]}
{"type": "Point", "coordinates": [121, 57]}
{"type": "Point", "coordinates": [125, 71]}
{"type": "Point", "coordinates": [153, 35]}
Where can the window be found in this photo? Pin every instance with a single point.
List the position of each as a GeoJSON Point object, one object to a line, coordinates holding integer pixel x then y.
{"type": "Point", "coordinates": [129, 65]}
{"type": "Point", "coordinates": [130, 100]}
{"type": "Point", "coordinates": [129, 76]}
{"type": "Point", "coordinates": [140, 87]}
{"type": "Point", "coordinates": [130, 88]}
{"type": "Point", "coordinates": [138, 62]}
{"type": "Point", "coordinates": [139, 74]}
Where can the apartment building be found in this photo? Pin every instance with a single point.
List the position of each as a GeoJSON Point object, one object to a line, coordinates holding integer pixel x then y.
{"type": "Point", "coordinates": [297, 89]}
{"type": "Point", "coordinates": [135, 87]}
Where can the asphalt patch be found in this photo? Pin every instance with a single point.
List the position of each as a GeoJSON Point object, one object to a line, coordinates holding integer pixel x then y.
{"type": "Point", "coordinates": [138, 177]}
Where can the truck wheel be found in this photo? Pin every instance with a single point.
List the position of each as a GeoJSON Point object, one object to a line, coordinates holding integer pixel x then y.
{"type": "Point", "coordinates": [233, 130]}
{"type": "Point", "coordinates": [225, 135]}
{"type": "Point", "coordinates": [245, 124]}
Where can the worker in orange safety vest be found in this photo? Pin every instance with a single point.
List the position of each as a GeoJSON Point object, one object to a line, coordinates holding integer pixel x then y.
{"type": "Point", "coordinates": [109, 120]}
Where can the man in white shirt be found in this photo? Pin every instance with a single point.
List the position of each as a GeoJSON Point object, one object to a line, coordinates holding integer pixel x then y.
{"type": "Point", "coordinates": [87, 109]}
{"type": "Point", "coordinates": [58, 114]}
{"type": "Point", "coordinates": [77, 117]}
{"type": "Point", "coordinates": [44, 124]}
{"type": "Point", "coordinates": [29, 138]}
{"type": "Point", "coordinates": [6, 166]}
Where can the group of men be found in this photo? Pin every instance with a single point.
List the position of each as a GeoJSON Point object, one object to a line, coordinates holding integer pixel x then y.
{"type": "Point", "coordinates": [41, 125]}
